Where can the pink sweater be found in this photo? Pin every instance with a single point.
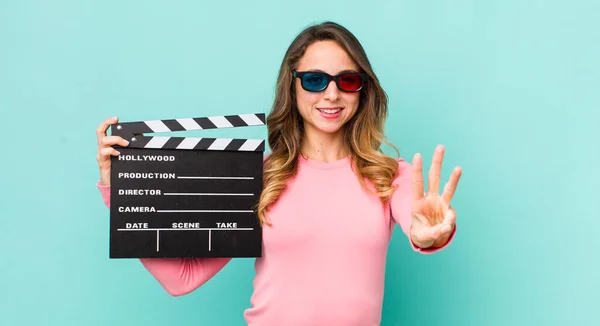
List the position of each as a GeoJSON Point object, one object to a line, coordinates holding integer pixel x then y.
{"type": "Point", "coordinates": [324, 257]}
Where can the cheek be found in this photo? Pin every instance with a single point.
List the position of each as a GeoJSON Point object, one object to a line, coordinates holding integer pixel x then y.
{"type": "Point", "coordinates": [352, 100]}
{"type": "Point", "coordinates": [300, 96]}
{"type": "Point", "coordinates": [306, 100]}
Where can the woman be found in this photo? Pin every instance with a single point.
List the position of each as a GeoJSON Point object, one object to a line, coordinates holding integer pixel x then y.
{"type": "Point", "coordinates": [331, 198]}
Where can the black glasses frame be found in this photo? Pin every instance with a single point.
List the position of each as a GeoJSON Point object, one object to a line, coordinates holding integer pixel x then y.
{"type": "Point", "coordinates": [336, 78]}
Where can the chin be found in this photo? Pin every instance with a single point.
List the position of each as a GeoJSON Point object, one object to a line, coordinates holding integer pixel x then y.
{"type": "Point", "coordinates": [329, 128]}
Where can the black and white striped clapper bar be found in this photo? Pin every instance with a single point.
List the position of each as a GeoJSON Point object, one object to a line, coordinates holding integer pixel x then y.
{"type": "Point", "coordinates": [183, 196]}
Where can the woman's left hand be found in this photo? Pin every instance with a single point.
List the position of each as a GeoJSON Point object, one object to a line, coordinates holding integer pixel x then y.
{"type": "Point", "coordinates": [433, 219]}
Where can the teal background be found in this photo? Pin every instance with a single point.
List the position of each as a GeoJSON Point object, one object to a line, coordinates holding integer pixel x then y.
{"type": "Point", "coordinates": [511, 88]}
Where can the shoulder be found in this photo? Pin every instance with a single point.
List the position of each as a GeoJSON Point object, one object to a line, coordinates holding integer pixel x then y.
{"type": "Point", "coordinates": [402, 181]}
{"type": "Point", "coordinates": [404, 169]}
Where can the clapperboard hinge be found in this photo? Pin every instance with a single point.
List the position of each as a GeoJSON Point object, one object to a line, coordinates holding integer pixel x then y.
{"type": "Point", "coordinates": [134, 133]}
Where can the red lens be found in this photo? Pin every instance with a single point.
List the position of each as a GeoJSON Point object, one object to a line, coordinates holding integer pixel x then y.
{"type": "Point", "coordinates": [350, 82]}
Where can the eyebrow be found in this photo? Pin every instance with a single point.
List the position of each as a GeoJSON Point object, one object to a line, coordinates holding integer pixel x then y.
{"type": "Point", "coordinates": [340, 72]}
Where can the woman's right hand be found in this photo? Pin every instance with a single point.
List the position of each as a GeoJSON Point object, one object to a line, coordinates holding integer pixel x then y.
{"type": "Point", "coordinates": [105, 149]}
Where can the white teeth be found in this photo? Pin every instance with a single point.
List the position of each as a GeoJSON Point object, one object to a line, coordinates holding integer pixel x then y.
{"type": "Point", "coordinates": [330, 111]}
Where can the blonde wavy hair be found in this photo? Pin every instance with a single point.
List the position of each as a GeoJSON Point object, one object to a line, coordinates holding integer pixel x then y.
{"type": "Point", "coordinates": [363, 133]}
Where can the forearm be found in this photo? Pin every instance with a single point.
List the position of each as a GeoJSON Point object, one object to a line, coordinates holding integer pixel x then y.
{"type": "Point", "coordinates": [179, 276]}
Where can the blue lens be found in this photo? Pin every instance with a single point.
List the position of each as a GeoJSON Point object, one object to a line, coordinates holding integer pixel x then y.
{"type": "Point", "coordinates": [314, 81]}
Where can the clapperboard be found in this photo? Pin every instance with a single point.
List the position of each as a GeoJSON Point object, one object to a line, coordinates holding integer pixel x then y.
{"type": "Point", "coordinates": [183, 196]}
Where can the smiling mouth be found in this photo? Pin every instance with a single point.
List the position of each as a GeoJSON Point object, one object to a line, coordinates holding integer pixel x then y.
{"type": "Point", "coordinates": [330, 111]}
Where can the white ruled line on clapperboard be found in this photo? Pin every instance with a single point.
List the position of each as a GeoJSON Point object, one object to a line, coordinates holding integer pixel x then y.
{"type": "Point", "coordinates": [184, 229]}
{"type": "Point", "coordinates": [134, 133]}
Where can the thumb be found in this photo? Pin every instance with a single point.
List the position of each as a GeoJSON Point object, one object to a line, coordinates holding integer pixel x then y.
{"type": "Point", "coordinates": [420, 219]}
{"type": "Point", "coordinates": [425, 236]}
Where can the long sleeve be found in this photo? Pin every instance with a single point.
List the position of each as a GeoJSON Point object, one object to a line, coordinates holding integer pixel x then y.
{"type": "Point", "coordinates": [401, 205]}
{"type": "Point", "coordinates": [178, 276]}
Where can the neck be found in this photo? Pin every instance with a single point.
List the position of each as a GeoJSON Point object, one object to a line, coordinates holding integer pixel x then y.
{"type": "Point", "coordinates": [324, 147]}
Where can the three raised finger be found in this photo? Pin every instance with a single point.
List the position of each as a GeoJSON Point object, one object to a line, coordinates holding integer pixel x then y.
{"type": "Point", "coordinates": [417, 177]}
{"type": "Point", "coordinates": [435, 170]}
{"type": "Point", "coordinates": [450, 187]}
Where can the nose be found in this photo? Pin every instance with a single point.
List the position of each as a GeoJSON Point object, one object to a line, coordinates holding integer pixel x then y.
{"type": "Point", "coordinates": [332, 93]}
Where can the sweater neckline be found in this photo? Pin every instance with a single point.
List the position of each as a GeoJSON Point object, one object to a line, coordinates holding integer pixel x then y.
{"type": "Point", "coordinates": [320, 165]}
